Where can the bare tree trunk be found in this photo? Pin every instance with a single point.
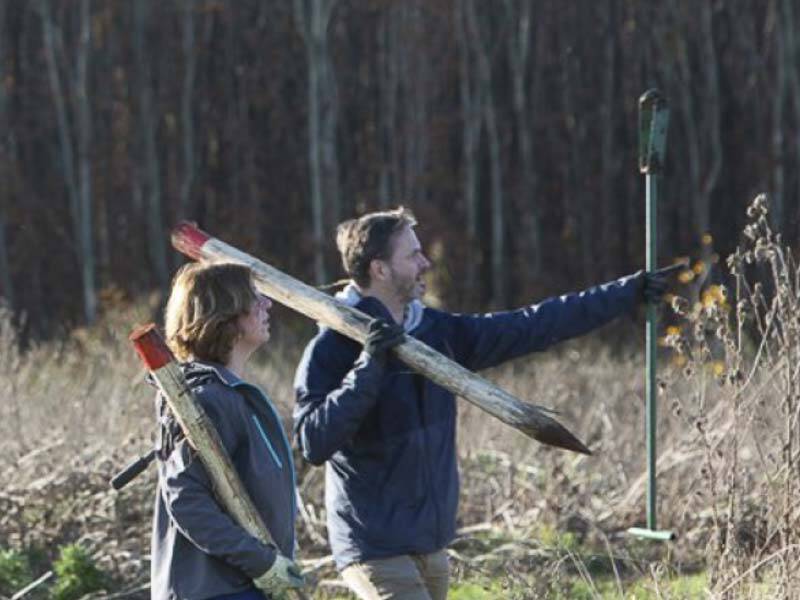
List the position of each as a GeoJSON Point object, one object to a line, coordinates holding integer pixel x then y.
{"type": "Point", "coordinates": [388, 40]}
{"type": "Point", "coordinates": [482, 53]}
{"type": "Point", "coordinates": [312, 18]}
{"type": "Point", "coordinates": [417, 87]}
{"type": "Point", "coordinates": [330, 125]}
{"type": "Point", "coordinates": [518, 22]}
{"type": "Point", "coordinates": [790, 68]}
{"type": "Point", "coordinates": [152, 174]}
{"type": "Point", "coordinates": [778, 100]}
{"type": "Point", "coordinates": [579, 221]}
{"type": "Point", "coordinates": [78, 182]}
{"type": "Point", "coordinates": [84, 134]}
{"type": "Point", "coordinates": [7, 160]}
{"type": "Point", "coordinates": [471, 111]}
{"type": "Point", "coordinates": [187, 113]}
{"type": "Point", "coordinates": [701, 120]}
{"type": "Point", "coordinates": [713, 118]}
{"type": "Point", "coordinates": [610, 158]}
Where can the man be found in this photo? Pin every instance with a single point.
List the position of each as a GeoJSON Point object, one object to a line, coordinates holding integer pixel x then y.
{"type": "Point", "coordinates": [386, 433]}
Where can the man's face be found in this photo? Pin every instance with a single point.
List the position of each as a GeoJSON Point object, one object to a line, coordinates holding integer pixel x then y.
{"type": "Point", "coordinates": [407, 266]}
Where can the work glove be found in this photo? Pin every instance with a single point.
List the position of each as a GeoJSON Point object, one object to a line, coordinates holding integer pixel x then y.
{"type": "Point", "coordinates": [655, 283]}
{"type": "Point", "coordinates": [283, 575]}
{"type": "Point", "coordinates": [382, 337]}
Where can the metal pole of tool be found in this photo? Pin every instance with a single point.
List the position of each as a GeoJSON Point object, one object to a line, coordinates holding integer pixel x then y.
{"type": "Point", "coordinates": [653, 121]}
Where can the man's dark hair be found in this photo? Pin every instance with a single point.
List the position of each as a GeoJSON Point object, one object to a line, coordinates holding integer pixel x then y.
{"type": "Point", "coordinates": [369, 237]}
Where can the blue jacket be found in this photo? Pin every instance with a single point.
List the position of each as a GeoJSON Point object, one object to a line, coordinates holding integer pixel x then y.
{"type": "Point", "coordinates": [197, 550]}
{"type": "Point", "coordinates": [387, 434]}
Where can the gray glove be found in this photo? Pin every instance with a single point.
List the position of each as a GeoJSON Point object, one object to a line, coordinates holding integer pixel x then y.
{"type": "Point", "coordinates": [382, 337]}
{"type": "Point", "coordinates": [281, 576]}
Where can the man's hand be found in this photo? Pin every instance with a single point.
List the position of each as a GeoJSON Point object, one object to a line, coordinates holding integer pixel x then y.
{"type": "Point", "coordinates": [654, 283]}
{"type": "Point", "coordinates": [382, 337]}
{"type": "Point", "coordinates": [281, 576]}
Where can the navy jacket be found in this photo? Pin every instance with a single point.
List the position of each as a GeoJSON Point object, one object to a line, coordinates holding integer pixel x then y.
{"type": "Point", "coordinates": [387, 434]}
{"type": "Point", "coordinates": [198, 551]}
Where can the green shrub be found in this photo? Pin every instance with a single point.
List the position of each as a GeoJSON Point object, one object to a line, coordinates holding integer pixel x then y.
{"type": "Point", "coordinates": [76, 574]}
{"type": "Point", "coordinates": [15, 571]}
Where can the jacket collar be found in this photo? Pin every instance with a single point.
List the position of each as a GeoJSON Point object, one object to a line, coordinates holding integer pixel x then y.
{"type": "Point", "coordinates": [196, 368]}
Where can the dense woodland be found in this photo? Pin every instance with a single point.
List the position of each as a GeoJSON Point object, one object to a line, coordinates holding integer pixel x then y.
{"type": "Point", "coordinates": [508, 126]}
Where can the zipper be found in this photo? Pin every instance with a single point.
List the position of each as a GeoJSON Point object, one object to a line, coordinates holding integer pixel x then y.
{"type": "Point", "coordinates": [267, 442]}
{"type": "Point", "coordinates": [287, 447]}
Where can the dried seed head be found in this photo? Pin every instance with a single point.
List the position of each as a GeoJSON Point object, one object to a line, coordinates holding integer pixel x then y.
{"type": "Point", "coordinates": [699, 332]}
{"type": "Point", "coordinates": [680, 305]}
{"type": "Point", "coordinates": [759, 207]}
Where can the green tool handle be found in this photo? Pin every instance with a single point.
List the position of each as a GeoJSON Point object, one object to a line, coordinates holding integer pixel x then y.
{"type": "Point", "coordinates": [650, 350]}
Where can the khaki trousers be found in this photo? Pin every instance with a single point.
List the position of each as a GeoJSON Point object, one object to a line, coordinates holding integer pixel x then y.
{"type": "Point", "coordinates": [407, 577]}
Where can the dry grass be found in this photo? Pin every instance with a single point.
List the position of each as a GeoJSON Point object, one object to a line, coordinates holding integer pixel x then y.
{"type": "Point", "coordinates": [73, 412]}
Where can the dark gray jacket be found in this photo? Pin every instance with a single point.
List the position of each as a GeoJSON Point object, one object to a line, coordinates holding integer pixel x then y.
{"type": "Point", "coordinates": [197, 550]}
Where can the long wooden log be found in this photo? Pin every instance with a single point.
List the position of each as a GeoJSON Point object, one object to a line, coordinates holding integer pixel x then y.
{"type": "Point", "coordinates": [200, 432]}
{"type": "Point", "coordinates": [530, 419]}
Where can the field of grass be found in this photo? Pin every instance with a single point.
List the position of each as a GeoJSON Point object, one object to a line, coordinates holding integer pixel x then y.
{"type": "Point", "coordinates": [534, 522]}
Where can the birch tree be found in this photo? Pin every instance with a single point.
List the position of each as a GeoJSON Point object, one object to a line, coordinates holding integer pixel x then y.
{"type": "Point", "coordinates": [388, 89]}
{"type": "Point", "coordinates": [518, 16]}
{"type": "Point", "coordinates": [77, 176]}
{"type": "Point", "coordinates": [187, 113]}
{"type": "Point", "coordinates": [789, 80]}
{"type": "Point", "coordinates": [701, 120]}
{"type": "Point", "coordinates": [313, 18]}
{"type": "Point", "coordinates": [7, 159]}
{"type": "Point", "coordinates": [471, 125]}
{"type": "Point", "coordinates": [149, 167]}
{"type": "Point", "coordinates": [482, 45]}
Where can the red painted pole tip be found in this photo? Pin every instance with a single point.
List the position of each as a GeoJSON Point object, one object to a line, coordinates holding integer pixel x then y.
{"type": "Point", "coordinates": [150, 347]}
{"type": "Point", "coordinates": [188, 239]}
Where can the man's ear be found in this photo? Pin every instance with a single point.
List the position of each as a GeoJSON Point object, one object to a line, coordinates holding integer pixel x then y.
{"type": "Point", "coordinates": [378, 270]}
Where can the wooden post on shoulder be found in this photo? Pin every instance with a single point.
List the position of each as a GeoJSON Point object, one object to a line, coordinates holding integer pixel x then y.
{"type": "Point", "coordinates": [199, 431]}
{"type": "Point", "coordinates": [529, 419]}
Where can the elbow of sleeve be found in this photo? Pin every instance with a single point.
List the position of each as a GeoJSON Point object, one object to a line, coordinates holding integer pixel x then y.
{"type": "Point", "coordinates": [314, 457]}
{"type": "Point", "coordinates": [313, 453]}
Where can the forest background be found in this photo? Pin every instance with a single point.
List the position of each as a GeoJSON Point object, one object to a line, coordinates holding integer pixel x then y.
{"type": "Point", "coordinates": [509, 127]}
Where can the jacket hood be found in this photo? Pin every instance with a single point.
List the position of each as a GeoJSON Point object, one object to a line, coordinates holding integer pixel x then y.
{"type": "Point", "coordinates": [413, 314]}
{"type": "Point", "coordinates": [197, 369]}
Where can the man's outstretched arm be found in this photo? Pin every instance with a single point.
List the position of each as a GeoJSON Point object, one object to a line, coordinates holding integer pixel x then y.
{"type": "Point", "coordinates": [482, 341]}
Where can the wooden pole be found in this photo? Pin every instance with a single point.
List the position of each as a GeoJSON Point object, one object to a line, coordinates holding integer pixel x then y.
{"type": "Point", "coordinates": [530, 419]}
{"type": "Point", "coordinates": [199, 431]}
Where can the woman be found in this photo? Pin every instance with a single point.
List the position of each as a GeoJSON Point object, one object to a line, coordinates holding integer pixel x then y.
{"type": "Point", "coordinates": [215, 320]}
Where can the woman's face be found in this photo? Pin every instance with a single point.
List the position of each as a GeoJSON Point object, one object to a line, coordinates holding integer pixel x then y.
{"type": "Point", "coordinates": [254, 325]}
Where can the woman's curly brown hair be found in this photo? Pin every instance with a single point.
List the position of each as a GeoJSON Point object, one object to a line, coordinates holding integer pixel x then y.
{"type": "Point", "coordinates": [203, 309]}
